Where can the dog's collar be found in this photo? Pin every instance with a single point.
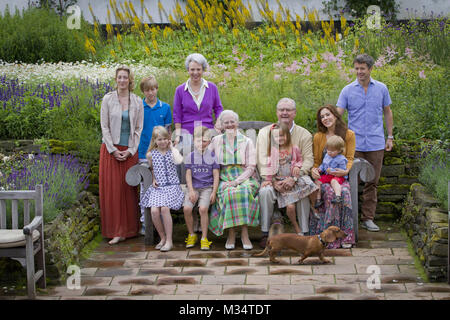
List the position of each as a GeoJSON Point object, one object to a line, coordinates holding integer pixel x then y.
{"type": "Point", "coordinates": [276, 222]}
{"type": "Point", "coordinates": [321, 240]}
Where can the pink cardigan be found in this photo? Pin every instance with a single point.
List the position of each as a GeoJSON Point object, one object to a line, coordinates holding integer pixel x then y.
{"type": "Point", "coordinates": [274, 161]}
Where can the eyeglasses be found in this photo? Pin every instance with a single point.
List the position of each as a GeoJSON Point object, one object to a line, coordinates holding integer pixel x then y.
{"type": "Point", "coordinates": [285, 109]}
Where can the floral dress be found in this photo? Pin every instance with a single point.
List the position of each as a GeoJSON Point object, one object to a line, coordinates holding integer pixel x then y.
{"type": "Point", "coordinates": [168, 193]}
{"type": "Point", "coordinates": [302, 188]}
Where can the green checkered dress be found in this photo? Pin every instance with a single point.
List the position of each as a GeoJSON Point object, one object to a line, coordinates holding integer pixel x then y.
{"type": "Point", "coordinates": [238, 205]}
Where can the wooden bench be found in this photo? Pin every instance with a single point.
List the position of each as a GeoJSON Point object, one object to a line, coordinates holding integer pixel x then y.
{"type": "Point", "coordinates": [26, 242]}
{"type": "Point", "coordinates": [140, 173]}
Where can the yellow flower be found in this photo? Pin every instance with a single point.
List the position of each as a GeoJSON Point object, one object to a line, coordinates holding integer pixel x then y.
{"type": "Point", "coordinates": [199, 42]}
{"type": "Point", "coordinates": [155, 44]}
{"type": "Point", "coordinates": [343, 22]}
{"type": "Point", "coordinates": [113, 53]}
{"type": "Point", "coordinates": [305, 48]}
{"type": "Point", "coordinates": [147, 50]}
{"type": "Point", "coordinates": [235, 32]}
{"type": "Point", "coordinates": [346, 31]}
{"type": "Point", "coordinates": [222, 30]}
{"type": "Point", "coordinates": [119, 37]}
{"type": "Point", "coordinates": [357, 43]}
{"type": "Point", "coordinates": [309, 41]}
{"type": "Point", "coordinates": [362, 50]}
{"type": "Point", "coordinates": [282, 45]}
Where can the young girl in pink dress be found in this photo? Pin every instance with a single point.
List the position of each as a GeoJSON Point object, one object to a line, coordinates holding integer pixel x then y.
{"type": "Point", "coordinates": [285, 161]}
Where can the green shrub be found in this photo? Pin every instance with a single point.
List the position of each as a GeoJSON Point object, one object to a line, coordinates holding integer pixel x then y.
{"type": "Point", "coordinates": [435, 171]}
{"type": "Point", "coordinates": [35, 34]}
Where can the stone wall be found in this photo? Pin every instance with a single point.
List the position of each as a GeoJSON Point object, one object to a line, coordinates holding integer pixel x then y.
{"type": "Point", "coordinates": [400, 170]}
{"type": "Point", "coordinates": [427, 227]}
{"type": "Point", "coordinates": [68, 234]}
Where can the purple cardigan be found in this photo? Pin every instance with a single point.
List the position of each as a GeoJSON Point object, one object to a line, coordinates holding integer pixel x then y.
{"type": "Point", "coordinates": [185, 110]}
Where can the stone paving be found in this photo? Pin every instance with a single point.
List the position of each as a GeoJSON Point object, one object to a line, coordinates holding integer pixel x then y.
{"type": "Point", "coordinates": [131, 270]}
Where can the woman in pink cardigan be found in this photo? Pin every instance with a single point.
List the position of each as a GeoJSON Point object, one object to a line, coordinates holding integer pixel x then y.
{"type": "Point", "coordinates": [285, 161]}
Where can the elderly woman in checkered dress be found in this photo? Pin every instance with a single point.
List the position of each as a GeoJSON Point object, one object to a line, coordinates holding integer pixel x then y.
{"type": "Point", "coordinates": [237, 200]}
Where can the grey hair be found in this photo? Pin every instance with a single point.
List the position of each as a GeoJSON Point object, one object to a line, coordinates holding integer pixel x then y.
{"type": "Point", "coordinates": [196, 57]}
{"type": "Point", "coordinates": [286, 101]}
{"type": "Point", "coordinates": [229, 113]}
{"type": "Point", "coordinates": [364, 58]}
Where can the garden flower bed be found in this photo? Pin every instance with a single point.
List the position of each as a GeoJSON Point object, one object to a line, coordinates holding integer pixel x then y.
{"type": "Point", "coordinates": [57, 105]}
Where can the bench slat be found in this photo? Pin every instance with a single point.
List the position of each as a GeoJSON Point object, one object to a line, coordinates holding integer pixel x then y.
{"type": "Point", "coordinates": [15, 213]}
{"type": "Point", "coordinates": [19, 195]}
{"type": "Point", "coordinates": [26, 212]}
{"type": "Point", "coordinates": [2, 214]}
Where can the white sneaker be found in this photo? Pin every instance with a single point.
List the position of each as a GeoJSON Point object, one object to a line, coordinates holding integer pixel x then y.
{"type": "Point", "coordinates": [370, 226]}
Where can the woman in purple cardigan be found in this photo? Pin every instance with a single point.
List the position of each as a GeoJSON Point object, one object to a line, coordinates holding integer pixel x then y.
{"type": "Point", "coordinates": [194, 102]}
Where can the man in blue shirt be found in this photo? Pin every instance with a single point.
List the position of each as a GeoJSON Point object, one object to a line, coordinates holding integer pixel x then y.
{"type": "Point", "coordinates": [366, 101]}
{"type": "Point", "coordinates": [156, 113]}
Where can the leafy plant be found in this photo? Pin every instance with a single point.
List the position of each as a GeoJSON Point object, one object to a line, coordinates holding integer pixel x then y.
{"type": "Point", "coordinates": [62, 177]}
{"type": "Point", "coordinates": [435, 170]}
{"type": "Point", "coordinates": [36, 35]}
{"type": "Point", "coordinates": [358, 8]}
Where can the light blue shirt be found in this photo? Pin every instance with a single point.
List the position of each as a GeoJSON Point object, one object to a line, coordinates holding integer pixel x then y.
{"type": "Point", "coordinates": [338, 162]}
{"type": "Point", "coordinates": [365, 113]}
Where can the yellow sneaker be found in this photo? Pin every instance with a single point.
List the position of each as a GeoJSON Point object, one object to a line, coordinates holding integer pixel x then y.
{"type": "Point", "coordinates": [191, 240]}
{"type": "Point", "coordinates": [204, 244]}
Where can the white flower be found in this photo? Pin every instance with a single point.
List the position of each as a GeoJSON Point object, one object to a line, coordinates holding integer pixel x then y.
{"type": "Point", "coordinates": [30, 156]}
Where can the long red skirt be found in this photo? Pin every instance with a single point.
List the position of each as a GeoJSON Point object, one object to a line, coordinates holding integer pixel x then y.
{"type": "Point", "coordinates": [118, 200]}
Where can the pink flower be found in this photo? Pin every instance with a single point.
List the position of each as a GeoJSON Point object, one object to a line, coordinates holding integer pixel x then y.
{"type": "Point", "coordinates": [409, 52]}
{"type": "Point", "coordinates": [261, 56]}
{"type": "Point", "coordinates": [307, 71]}
{"type": "Point", "coordinates": [422, 74]}
{"type": "Point", "coordinates": [293, 67]}
{"type": "Point", "coordinates": [278, 65]}
{"type": "Point", "coordinates": [380, 62]}
{"type": "Point", "coordinates": [239, 69]}
{"type": "Point", "coordinates": [328, 56]}
{"type": "Point", "coordinates": [227, 74]}
{"type": "Point", "coordinates": [222, 83]}
{"type": "Point", "coordinates": [276, 77]}
{"type": "Point", "coordinates": [235, 50]}
{"type": "Point", "coordinates": [323, 65]}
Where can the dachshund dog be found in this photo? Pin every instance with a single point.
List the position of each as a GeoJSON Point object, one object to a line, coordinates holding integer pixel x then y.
{"type": "Point", "coordinates": [305, 245]}
{"type": "Point", "coordinates": [277, 226]}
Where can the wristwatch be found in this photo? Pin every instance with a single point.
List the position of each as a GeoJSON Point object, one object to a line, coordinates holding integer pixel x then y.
{"type": "Point", "coordinates": [390, 137]}
{"type": "Point", "coordinates": [295, 179]}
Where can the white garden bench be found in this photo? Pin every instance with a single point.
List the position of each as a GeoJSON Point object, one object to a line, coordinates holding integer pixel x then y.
{"type": "Point", "coordinates": [361, 169]}
{"type": "Point", "coordinates": [28, 241]}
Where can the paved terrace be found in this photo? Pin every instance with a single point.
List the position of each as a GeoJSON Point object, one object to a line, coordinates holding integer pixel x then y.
{"type": "Point", "coordinates": [131, 270]}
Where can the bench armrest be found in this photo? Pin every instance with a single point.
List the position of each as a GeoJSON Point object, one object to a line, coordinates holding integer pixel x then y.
{"type": "Point", "coordinates": [29, 228]}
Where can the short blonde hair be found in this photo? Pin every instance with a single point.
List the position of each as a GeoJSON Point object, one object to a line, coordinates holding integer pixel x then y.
{"type": "Point", "coordinates": [148, 83]}
{"type": "Point", "coordinates": [202, 132]}
{"type": "Point", "coordinates": [130, 76]}
{"type": "Point", "coordinates": [335, 143]}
